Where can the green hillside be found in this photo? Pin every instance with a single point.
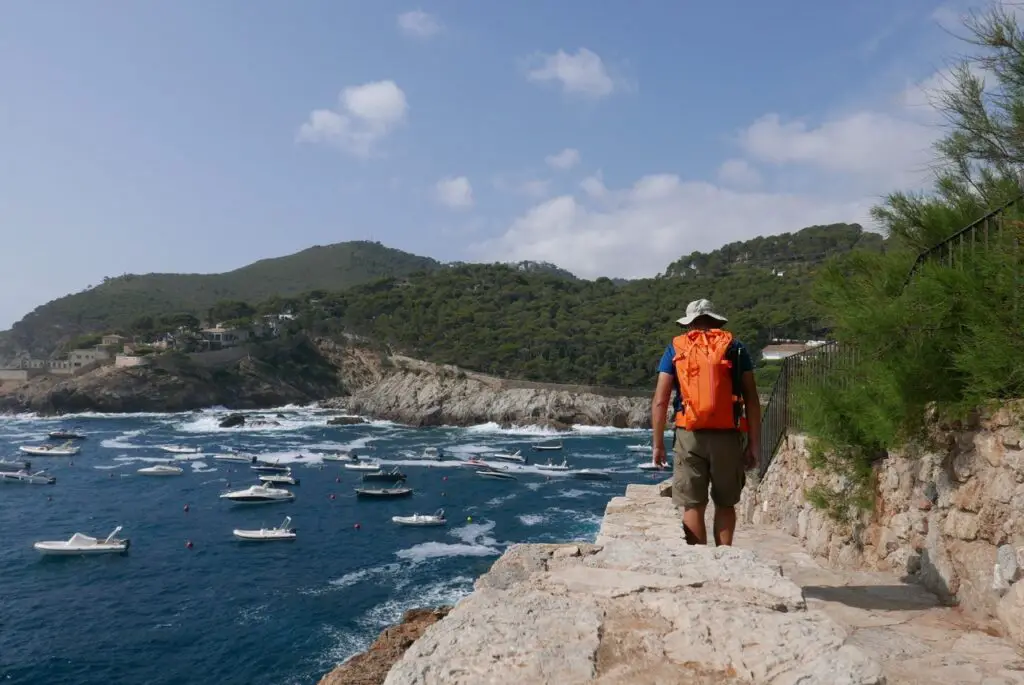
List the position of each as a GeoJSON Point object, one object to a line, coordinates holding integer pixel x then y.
{"type": "Point", "coordinates": [121, 300]}
{"type": "Point", "coordinates": [540, 326]}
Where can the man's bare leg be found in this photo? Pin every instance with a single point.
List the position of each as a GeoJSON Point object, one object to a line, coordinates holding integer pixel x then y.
{"type": "Point", "coordinates": [725, 525]}
{"type": "Point", "coordinates": [693, 524]}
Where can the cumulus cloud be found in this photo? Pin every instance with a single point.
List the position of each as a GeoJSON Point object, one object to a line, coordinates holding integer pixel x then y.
{"type": "Point", "coordinates": [790, 173]}
{"type": "Point", "coordinates": [454, 192]}
{"type": "Point", "coordinates": [583, 73]}
{"type": "Point", "coordinates": [566, 159]}
{"type": "Point", "coordinates": [523, 185]}
{"type": "Point", "coordinates": [419, 24]}
{"type": "Point", "coordinates": [364, 115]}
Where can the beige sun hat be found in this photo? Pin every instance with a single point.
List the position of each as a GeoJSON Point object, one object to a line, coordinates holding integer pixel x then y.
{"type": "Point", "coordinates": [699, 308]}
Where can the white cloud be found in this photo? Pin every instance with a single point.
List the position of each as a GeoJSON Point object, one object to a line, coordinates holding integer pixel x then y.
{"type": "Point", "coordinates": [365, 114]}
{"type": "Point", "coordinates": [583, 73]}
{"type": "Point", "coordinates": [419, 24]}
{"type": "Point", "coordinates": [643, 228]}
{"type": "Point", "coordinates": [454, 192]}
{"type": "Point", "coordinates": [566, 159]}
{"type": "Point", "coordinates": [738, 173]}
{"type": "Point", "coordinates": [594, 186]}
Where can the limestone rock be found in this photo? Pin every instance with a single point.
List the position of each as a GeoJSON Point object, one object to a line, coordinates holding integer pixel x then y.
{"type": "Point", "coordinates": [639, 607]}
{"type": "Point", "coordinates": [232, 421]}
{"type": "Point", "coordinates": [345, 421]}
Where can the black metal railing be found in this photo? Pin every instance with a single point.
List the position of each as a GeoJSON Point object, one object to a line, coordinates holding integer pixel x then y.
{"type": "Point", "coordinates": [817, 365]}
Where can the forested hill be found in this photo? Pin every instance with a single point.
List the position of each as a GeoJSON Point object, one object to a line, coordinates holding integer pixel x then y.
{"type": "Point", "coordinates": [810, 246]}
{"type": "Point", "coordinates": [119, 301]}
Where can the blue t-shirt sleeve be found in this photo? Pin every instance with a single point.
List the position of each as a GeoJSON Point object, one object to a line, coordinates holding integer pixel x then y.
{"type": "Point", "coordinates": [746, 363]}
{"type": "Point", "coordinates": [666, 365]}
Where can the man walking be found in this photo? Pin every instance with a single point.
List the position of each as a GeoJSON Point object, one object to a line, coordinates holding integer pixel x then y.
{"type": "Point", "coordinates": [716, 403]}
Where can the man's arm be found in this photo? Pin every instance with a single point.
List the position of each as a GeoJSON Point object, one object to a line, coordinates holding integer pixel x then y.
{"type": "Point", "coordinates": [752, 405]}
{"type": "Point", "coordinates": [659, 408]}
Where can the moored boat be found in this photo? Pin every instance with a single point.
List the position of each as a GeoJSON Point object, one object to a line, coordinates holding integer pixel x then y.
{"type": "Point", "coordinates": [638, 448]}
{"type": "Point", "coordinates": [15, 465]}
{"type": "Point", "coordinates": [64, 450]}
{"type": "Point", "coordinates": [516, 456]}
{"type": "Point", "coordinates": [650, 466]}
{"type": "Point", "coordinates": [368, 466]}
{"type": "Point", "coordinates": [79, 543]}
{"type": "Point", "coordinates": [392, 475]}
{"type": "Point", "coordinates": [235, 458]}
{"type": "Point", "coordinates": [279, 478]}
{"type": "Point", "coordinates": [383, 492]}
{"type": "Point", "coordinates": [65, 435]}
{"type": "Point", "coordinates": [550, 447]}
{"type": "Point", "coordinates": [267, 467]}
{"type": "Point", "coordinates": [259, 494]}
{"type": "Point", "coordinates": [590, 474]}
{"type": "Point", "coordinates": [496, 474]}
{"type": "Point", "coordinates": [564, 466]}
{"type": "Point", "coordinates": [180, 449]}
{"type": "Point", "coordinates": [435, 519]}
{"type": "Point", "coordinates": [161, 470]}
{"type": "Point", "coordinates": [282, 532]}
{"type": "Point", "coordinates": [340, 456]}
{"type": "Point", "coordinates": [37, 478]}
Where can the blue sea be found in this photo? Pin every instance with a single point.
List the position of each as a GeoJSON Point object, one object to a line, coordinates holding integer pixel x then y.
{"type": "Point", "coordinates": [224, 611]}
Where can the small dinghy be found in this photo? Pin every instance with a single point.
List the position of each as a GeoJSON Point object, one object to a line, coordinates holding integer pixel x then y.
{"type": "Point", "coordinates": [235, 458]}
{"type": "Point", "coordinates": [259, 494]}
{"type": "Point", "coordinates": [383, 492]}
{"type": "Point", "coordinates": [516, 456]}
{"type": "Point", "coordinates": [496, 474]}
{"type": "Point", "coordinates": [650, 466]}
{"type": "Point", "coordinates": [282, 532]}
{"type": "Point", "coordinates": [279, 478]}
{"type": "Point", "coordinates": [14, 465]}
{"type": "Point", "coordinates": [368, 466]}
{"type": "Point", "coordinates": [590, 474]}
{"type": "Point", "coordinates": [37, 478]}
{"type": "Point", "coordinates": [65, 435]}
{"type": "Point", "coordinates": [180, 449]}
{"type": "Point", "coordinates": [267, 467]}
{"type": "Point", "coordinates": [392, 475]}
{"type": "Point", "coordinates": [161, 470]}
{"type": "Point", "coordinates": [64, 450]}
{"type": "Point", "coordinates": [564, 466]}
{"type": "Point", "coordinates": [80, 543]}
{"type": "Point", "coordinates": [435, 519]}
{"type": "Point", "coordinates": [553, 447]}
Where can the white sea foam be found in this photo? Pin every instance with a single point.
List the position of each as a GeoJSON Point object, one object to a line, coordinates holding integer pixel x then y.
{"type": "Point", "coordinates": [571, 494]}
{"type": "Point", "coordinates": [201, 467]}
{"type": "Point", "coordinates": [437, 594]}
{"type": "Point", "coordinates": [493, 428]}
{"type": "Point", "coordinates": [532, 519]}
{"type": "Point", "coordinates": [122, 441]}
{"type": "Point", "coordinates": [475, 542]}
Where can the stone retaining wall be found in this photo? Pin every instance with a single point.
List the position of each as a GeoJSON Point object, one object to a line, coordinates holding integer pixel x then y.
{"type": "Point", "coordinates": [638, 606]}
{"type": "Point", "coordinates": [951, 518]}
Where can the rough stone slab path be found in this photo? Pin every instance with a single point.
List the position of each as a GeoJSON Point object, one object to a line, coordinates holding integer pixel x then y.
{"type": "Point", "coordinates": [902, 626]}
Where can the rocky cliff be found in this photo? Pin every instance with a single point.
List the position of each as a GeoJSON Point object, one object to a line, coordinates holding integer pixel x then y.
{"type": "Point", "coordinates": [419, 393]}
{"type": "Point", "coordinates": [950, 515]}
{"type": "Point", "coordinates": [285, 372]}
{"type": "Point", "coordinates": [638, 606]}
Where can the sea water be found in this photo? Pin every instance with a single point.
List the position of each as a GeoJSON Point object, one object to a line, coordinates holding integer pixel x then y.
{"type": "Point", "coordinates": [224, 611]}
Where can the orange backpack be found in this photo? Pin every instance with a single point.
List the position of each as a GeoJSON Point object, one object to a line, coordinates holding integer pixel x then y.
{"type": "Point", "coordinates": [708, 380]}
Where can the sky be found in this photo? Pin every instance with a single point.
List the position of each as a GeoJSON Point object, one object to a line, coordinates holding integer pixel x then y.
{"type": "Point", "coordinates": [608, 138]}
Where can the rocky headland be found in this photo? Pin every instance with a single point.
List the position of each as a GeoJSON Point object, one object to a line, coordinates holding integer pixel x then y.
{"type": "Point", "coordinates": [353, 377]}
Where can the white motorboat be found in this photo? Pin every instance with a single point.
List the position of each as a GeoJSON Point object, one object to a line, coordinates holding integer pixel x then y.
{"type": "Point", "coordinates": [267, 467]}
{"type": "Point", "coordinates": [431, 453]}
{"type": "Point", "coordinates": [638, 448]}
{"type": "Point", "coordinates": [564, 466]}
{"type": "Point", "coordinates": [371, 466]}
{"type": "Point", "coordinates": [496, 474]}
{"type": "Point", "coordinates": [282, 532]}
{"type": "Point", "coordinates": [235, 458]}
{"type": "Point", "coordinates": [80, 543]}
{"type": "Point", "coordinates": [161, 470]}
{"type": "Point", "coordinates": [279, 478]}
{"type": "Point", "coordinates": [191, 456]}
{"type": "Point", "coordinates": [341, 456]}
{"type": "Point", "coordinates": [435, 519]}
{"type": "Point", "coordinates": [65, 450]}
{"type": "Point", "coordinates": [14, 465]}
{"type": "Point", "coordinates": [548, 448]}
{"type": "Point", "coordinates": [37, 478]}
{"type": "Point", "coordinates": [650, 466]}
{"type": "Point", "coordinates": [259, 494]}
{"type": "Point", "coordinates": [180, 449]}
{"type": "Point", "coordinates": [65, 435]}
{"type": "Point", "coordinates": [590, 474]}
{"type": "Point", "coordinates": [516, 456]}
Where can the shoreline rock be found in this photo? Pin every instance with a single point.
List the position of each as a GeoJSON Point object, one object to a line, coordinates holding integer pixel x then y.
{"type": "Point", "coordinates": [637, 606]}
{"type": "Point", "coordinates": [371, 667]}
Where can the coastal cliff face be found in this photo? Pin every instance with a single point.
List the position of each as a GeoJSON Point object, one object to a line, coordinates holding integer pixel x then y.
{"type": "Point", "coordinates": [949, 517]}
{"type": "Point", "coordinates": [638, 606]}
{"type": "Point", "coordinates": [419, 393]}
{"type": "Point", "coordinates": [291, 373]}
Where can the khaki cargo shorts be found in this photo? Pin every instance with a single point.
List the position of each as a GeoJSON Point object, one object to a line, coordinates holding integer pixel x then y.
{"type": "Point", "coordinates": [707, 457]}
